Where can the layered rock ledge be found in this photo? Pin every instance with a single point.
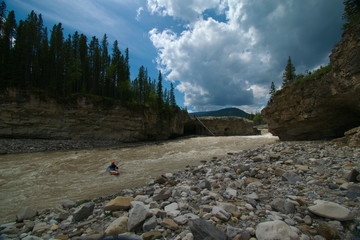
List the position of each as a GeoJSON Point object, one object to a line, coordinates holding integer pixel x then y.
{"type": "Point", "coordinates": [324, 107]}
{"type": "Point", "coordinates": [85, 118]}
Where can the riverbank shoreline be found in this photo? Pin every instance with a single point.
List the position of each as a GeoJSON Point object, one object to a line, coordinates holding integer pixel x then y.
{"type": "Point", "coordinates": [278, 183]}
{"type": "Point", "coordinates": [15, 146]}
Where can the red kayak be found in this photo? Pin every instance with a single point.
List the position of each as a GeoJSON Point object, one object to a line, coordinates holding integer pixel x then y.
{"type": "Point", "coordinates": [114, 172]}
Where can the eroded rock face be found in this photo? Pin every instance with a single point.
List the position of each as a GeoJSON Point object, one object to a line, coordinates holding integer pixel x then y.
{"type": "Point", "coordinates": [325, 107]}
{"type": "Point", "coordinates": [32, 117]}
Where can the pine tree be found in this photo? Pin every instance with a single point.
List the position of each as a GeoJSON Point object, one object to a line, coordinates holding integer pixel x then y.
{"type": "Point", "coordinates": [105, 62]}
{"type": "Point", "coordinates": [2, 15]}
{"type": "Point", "coordinates": [159, 90]}
{"type": "Point", "coordinates": [8, 34]}
{"type": "Point", "coordinates": [289, 75]}
{"type": "Point", "coordinates": [57, 60]}
{"type": "Point", "coordinates": [272, 89]}
{"type": "Point", "coordinates": [84, 63]}
{"type": "Point", "coordinates": [351, 12]}
{"type": "Point", "coordinates": [94, 63]}
{"type": "Point", "coordinates": [172, 96]}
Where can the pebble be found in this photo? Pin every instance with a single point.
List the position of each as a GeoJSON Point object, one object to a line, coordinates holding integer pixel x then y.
{"type": "Point", "coordinates": [305, 190]}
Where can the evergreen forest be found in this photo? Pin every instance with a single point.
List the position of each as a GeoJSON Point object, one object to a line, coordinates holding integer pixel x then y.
{"type": "Point", "coordinates": [61, 66]}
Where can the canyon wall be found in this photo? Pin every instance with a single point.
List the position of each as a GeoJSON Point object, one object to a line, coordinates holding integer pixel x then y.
{"type": "Point", "coordinates": [324, 107]}
{"type": "Point", "coordinates": [85, 118]}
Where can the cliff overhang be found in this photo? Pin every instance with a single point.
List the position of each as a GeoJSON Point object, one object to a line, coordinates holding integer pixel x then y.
{"type": "Point", "coordinates": [324, 107]}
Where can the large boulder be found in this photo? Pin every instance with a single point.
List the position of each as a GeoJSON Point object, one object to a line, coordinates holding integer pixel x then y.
{"type": "Point", "coordinates": [326, 106]}
{"type": "Point", "coordinates": [275, 230]}
{"type": "Point", "coordinates": [119, 203]}
{"type": "Point", "coordinates": [83, 211]}
{"type": "Point", "coordinates": [137, 215]}
{"type": "Point", "coordinates": [331, 210]}
{"type": "Point", "coordinates": [25, 213]}
{"type": "Point", "coordinates": [202, 229]}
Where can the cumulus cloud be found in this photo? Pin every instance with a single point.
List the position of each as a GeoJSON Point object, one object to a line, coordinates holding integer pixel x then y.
{"type": "Point", "coordinates": [233, 62]}
{"type": "Point", "coordinates": [188, 10]}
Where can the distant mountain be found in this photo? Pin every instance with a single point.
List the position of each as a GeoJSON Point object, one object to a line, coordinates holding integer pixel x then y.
{"type": "Point", "coordinates": [221, 113]}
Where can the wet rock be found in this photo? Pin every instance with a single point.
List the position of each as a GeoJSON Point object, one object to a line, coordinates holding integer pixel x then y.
{"type": "Point", "coordinates": [327, 231]}
{"type": "Point", "coordinates": [67, 203]}
{"type": "Point", "coordinates": [307, 220]}
{"type": "Point", "coordinates": [83, 211]}
{"type": "Point", "coordinates": [202, 229]}
{"type": "Point", "coordinates": [352, 176]}
{"type": "Point", "coordinates": [283, 205]}
{"type": "Point", "coordinates": [26, 213]}
{"type": "Point", "coordinates": [31, 237]}
{"type": "Point", "coordinates": [205, 184]}
{"type": "Point", "coordinates": [181, 220]}
{"type": "Point", "coordinates": [118, 226]}
{"type": "Point", "coordinates": [137, 215]}
{"type": "Point", "coordinates": [291, 177]}
{"type": "Point", "coordinates": [221, 213]}
{"type": "Point", "coordinates": [163, 194]}
{"type": "Point", "coordinates": [41, 227]}
{"type": "Point", "coordinates": [353, 192]}
{"type": "Point", "coordinates": [150, 224]}
{"type": "Point", "coordinates": [161, 179]}
{"type": "Point", "coordinates": [230, 193]}
{"type": "Point", "coordinates": [152, 235]}
{"type": "Point", "coordinates": [119, 203]}
{"type": "Point", "coordinates": [333, 186]}
{"type": "Point", "coordinates": [169, 223]}
{"type": "Point", "coordinates": [10, 229]}
{"type": "Point", "coordinates": [171, 207]}
{"type": "Point", "coordinates": [274, 157]}
{"type": "Point", "coordinates": [275, 230]}
{"type": "Point", "coordinates": [61, 237]}
{"type": "Point", "coordinates": [331, 210]}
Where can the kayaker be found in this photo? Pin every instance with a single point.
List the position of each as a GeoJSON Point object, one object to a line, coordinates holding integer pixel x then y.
{"type": "Point", "coordinates": [113, 167]}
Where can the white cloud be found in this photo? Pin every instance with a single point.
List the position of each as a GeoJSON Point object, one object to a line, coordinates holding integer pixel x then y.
{"type": "Point", "coordinates": [138, 13]}
{"type": "Point", "coordinates": [233, 62]}
{"type": "Point", "coordinates": [188, 10]}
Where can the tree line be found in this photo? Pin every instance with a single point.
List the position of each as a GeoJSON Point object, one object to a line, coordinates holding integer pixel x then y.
{"type": "Point", "coordinates": [62, 66]}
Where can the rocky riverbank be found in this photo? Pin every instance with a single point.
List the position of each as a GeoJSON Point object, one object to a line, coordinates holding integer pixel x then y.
{"type": "Point", "coordinates": [9, 146]}
{"type": "Point", "coordinates": [285, 190]}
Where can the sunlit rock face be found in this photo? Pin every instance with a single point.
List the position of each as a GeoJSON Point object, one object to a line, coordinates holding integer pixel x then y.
{"type": "Point", "coordinates": [324, 107]}
{"type": "Point", "coordinates": [84, 118]}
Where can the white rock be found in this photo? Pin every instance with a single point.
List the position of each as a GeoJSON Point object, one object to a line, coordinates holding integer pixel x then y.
{"type": "Point", "coordinates": [331, 210]}
{"type": "Point", "coordinates": [171, 207]}
{"type": "Point", "coordinates": [221, 213]}
{"type": "Point", "coordinates": [275, 230]}
{"type": "Point", "coordinates": [230, 193]}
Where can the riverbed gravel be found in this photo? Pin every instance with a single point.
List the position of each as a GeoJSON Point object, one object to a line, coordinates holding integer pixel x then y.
{"type": "Point", "coordinates": [284, 190]}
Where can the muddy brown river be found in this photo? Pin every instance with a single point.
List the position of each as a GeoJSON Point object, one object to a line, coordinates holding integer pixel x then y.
{"type": "Point", "coordinates": [42, 180]}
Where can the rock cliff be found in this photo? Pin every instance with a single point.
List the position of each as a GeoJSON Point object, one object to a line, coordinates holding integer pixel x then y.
{"type": "Point", "coordinates": [324, 107]}
{"type": "Point", "coordinates": [221, 126]}
{"type": "Point", "coordinates": [85, 118]}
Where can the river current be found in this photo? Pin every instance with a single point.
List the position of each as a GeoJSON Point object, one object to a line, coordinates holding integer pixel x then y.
{"type": "Point", "coordinates": [42, 180]}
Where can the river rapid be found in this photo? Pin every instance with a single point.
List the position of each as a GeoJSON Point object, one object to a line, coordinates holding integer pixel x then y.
{"type": "Point", "coordinates": [42, 180]}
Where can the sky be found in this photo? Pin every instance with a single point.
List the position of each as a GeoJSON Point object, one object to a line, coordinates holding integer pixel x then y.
{"type": "Point", "coordinates": [217, 53]}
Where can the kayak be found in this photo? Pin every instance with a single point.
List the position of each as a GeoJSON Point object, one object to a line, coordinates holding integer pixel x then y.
{"type": "Point", "coordinates": [114, 172]}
